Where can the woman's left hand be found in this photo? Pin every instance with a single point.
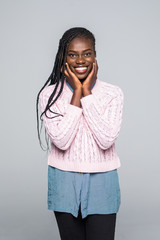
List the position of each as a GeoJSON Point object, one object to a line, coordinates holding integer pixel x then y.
{"type": "Point", "coordinates": [88, 83]}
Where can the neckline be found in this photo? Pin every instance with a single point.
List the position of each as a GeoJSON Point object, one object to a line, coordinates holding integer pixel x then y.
{"type": "Point", "coordinates": [70, 89]}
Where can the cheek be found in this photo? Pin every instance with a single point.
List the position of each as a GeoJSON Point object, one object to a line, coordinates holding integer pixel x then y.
{"type": "Point", "coordinates": [90, 68]}
{"type": "Point", "coordinates": [92, 60]}
{"type": "Point", "coordinates": [69, 61]}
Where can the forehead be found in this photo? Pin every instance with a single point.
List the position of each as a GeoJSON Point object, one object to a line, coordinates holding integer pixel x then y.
{"type": "Point", "coordinates": [80, 44]}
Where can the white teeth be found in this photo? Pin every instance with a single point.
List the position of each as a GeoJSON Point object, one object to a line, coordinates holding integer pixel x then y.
{"type": "Point", "coordinates": [81, 68]}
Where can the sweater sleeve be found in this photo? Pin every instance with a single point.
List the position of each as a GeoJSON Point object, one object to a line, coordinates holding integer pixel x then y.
{"type": "Point", "coordinates": [104, 123]}
{"type": "Point", "coordinates": [62, 128]}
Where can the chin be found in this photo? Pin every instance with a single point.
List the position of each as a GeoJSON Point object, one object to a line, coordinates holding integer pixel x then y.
{"type": "Point", "coordinates": [82, 78]}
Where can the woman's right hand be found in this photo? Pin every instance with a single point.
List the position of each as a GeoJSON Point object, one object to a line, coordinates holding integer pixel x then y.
{"type": "Point", "coordinates": [72, 78]}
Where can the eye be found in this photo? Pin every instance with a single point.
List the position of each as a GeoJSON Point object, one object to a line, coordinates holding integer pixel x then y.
{"type": "Point", "coordinates": [88, 54]}
{"type": "Point", "coordinates": [72, 55]}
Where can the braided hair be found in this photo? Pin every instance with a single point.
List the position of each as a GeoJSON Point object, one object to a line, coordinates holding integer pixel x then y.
{"type": "Point", "coordinates": [57, 76]}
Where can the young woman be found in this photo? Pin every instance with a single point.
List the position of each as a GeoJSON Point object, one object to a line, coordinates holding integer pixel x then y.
{"type": "Point", "coordinates": [82, 116]}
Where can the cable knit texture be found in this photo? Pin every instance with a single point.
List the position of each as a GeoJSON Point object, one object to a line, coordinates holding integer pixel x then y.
{"type": "Point", "coordinates": [83, 139]}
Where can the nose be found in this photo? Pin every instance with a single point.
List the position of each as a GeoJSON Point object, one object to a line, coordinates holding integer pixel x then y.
{"type": "Point", "coordinates": [80, 59]}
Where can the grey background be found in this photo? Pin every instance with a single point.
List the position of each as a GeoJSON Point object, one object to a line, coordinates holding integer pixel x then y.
{"type": "Point", "coordinates": [127, 43]}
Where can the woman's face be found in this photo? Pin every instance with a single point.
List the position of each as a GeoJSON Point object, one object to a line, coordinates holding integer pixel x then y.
{"type": "Point", "coordinates": [80, 57]}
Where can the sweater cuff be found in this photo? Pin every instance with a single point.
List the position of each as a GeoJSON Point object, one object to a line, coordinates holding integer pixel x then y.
{"type": "Point", "coordinates": [87, 100]}
{"type": "Point", "coordinates": [74, 109]}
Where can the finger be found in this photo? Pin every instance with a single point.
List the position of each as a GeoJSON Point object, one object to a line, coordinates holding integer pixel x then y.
{"type": "Point", "coordinates": [68, 69]}
{"type": "Point", "coordinates": [94, 68]}
{"type": "Point", "coordinates": [66, 73]}
{"type": "Point", "coordinates": [96, 65]}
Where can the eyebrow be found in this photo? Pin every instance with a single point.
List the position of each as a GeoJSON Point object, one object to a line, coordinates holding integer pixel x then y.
{"type": "Point", "coordinates": [83, 51]}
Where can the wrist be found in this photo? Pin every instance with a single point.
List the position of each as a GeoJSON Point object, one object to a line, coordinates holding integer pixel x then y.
{"type": "Point", "coordinates": [86, 92]}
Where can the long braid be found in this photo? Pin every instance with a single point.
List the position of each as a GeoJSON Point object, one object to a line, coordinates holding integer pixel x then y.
{"type": "Point", "coordinates": [56, 75]}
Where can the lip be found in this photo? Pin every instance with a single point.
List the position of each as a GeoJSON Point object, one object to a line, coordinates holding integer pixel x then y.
{"type": "Point", "coordinates": [81, 69]}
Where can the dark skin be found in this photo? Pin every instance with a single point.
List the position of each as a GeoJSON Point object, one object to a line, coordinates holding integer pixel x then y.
{"type": "Point", "coordinates": [80, 53]}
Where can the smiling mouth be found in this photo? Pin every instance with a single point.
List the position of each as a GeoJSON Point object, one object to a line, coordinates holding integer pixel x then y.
{"type": "Point", "coordinates": [81, 69]}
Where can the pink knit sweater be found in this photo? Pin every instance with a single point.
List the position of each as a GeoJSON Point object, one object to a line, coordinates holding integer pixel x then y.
{"type": "Point", "coordinates": [83, 139]}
